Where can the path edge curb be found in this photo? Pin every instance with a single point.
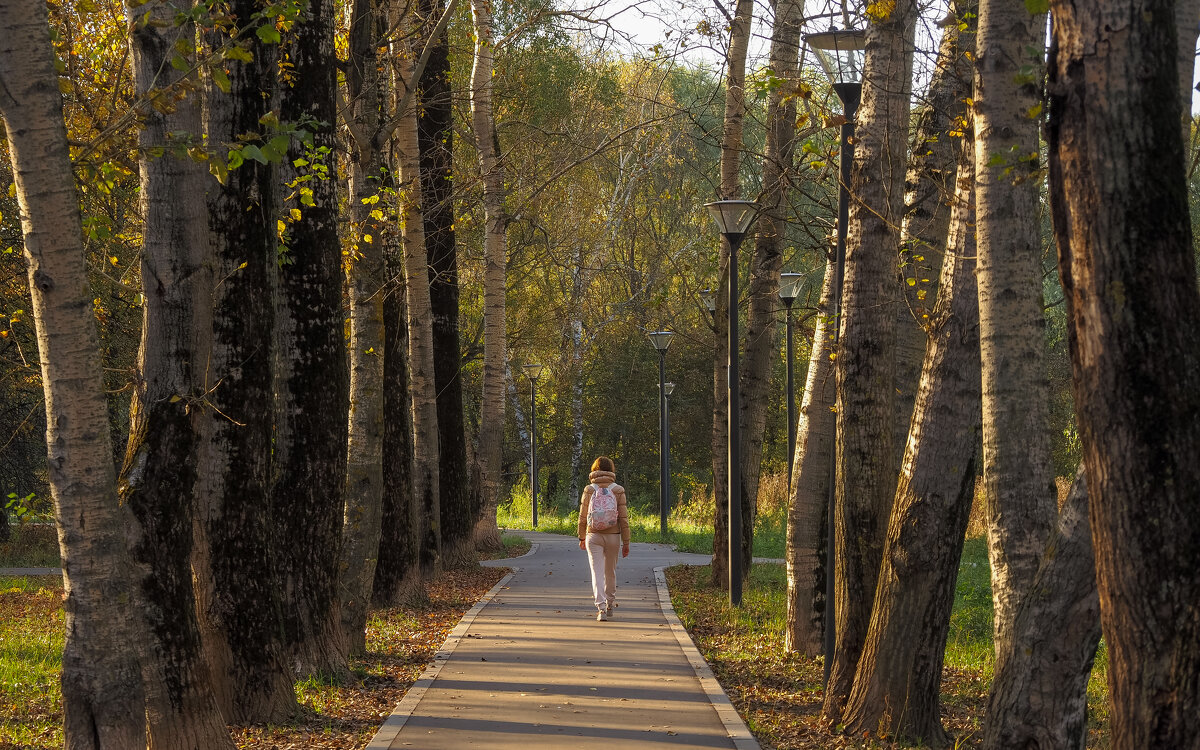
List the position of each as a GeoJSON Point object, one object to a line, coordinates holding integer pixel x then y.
{"type": "Point", "coordinates": [391, 726]}
{"type": "Point", "coordinates": [734, 726]}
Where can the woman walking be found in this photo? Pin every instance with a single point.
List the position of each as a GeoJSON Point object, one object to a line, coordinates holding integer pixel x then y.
{"type": "Point", "coordinates": [603, 529]}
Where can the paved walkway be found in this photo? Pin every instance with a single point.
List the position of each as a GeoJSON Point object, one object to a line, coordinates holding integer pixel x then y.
{"type": "Point", "coordinates": [531, 667]}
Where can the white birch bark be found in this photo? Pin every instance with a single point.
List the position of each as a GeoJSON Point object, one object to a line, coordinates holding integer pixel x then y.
{"type": "Point", "coordinates": [491, 418]}
{"type": "Point", "coordinates": [103, 701]}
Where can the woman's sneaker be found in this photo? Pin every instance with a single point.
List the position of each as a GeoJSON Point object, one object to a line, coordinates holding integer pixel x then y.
{"type": "Point", "coordinates": [601, 616]}
{"type": "Point", "coordinates": [609, 609]}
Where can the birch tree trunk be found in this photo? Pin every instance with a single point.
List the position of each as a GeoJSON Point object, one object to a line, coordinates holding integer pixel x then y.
{"type": "Point", "coordinates": [426, 491]}
{"type": "Point", "coordinates": [1119, 198]}
{"type": "Point", "coordinates": [436, 142]}
{"type": "Point", "coordinates": [232, 559]}
{"type": "Point", "coordinates": [809, 493]}
{"type": "Point", "coordinates": [731, 147]}
{"type": "Point", "coordinates": [365, 280]}
{"type": "Point", "coordinates": [1017, 471]}
{"type": "Point", "coordinates": [160, 461]}
{"type": "Point", "coordinates": [928, 195]}
{"type": "Point", "coordinates": [495, 259]}
{"type": "Point", "coordinates": [899, 676]}
{"type": "Point", "coordinates": [762, 345]}
{"type": "Point", "coordinates": [103, 700]}
{"type": "Point", "coordinates": [866, 469]}
{"type": "Point", "coordinates": [312, 397]}
{"type": "Point", "coordinates": [1038, 696]}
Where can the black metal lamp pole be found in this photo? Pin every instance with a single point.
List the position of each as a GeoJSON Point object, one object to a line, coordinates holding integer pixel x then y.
{"type": "Point", "coordinates": [661, 341]}
{"type": "Point", "coordinates": [845, 72]}
{"type": "Point", "coordinates": [667, 389]}
{"type": "Point", "coordinates": [734, 218]}
{"type": "Point", "coordinates": [789, 287]}
{"type": "Point", "coordinates": [532, 371]}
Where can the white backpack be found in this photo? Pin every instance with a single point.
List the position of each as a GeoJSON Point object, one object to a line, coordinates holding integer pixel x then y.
{"type": "Point", "coordinates": [602, 512]}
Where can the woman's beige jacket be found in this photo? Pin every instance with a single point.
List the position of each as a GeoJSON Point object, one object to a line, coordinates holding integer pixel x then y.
{"type": "Point", "coordinates": [609, 480]}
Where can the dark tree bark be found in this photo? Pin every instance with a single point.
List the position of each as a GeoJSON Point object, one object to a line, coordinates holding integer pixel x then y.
{"type": "Point", "coordinates": [238, 601]}
{"type": "Point", "coordinates": [435, 135]}
{"type": "Point", "coordinates": [312, 380]}
{"type": "Point", "coordinates": [1119, 199]}
{"type": "Point", "coordinates": [900, 673]}
{"type": "Point", "coordinates": [866, 461]}
{"type": "Point", "coordinates": [1038, 696]}
{"type": "Point", "coordinates": [103, 700]}
{"type": "Point", "coordinates": [397, 575]}
{"type": "Point", "coordinates": [160, 461]}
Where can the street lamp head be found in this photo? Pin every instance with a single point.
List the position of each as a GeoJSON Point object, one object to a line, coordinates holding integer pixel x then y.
{"type": "Point", "coordinates": [789, 286]}
{"type": "Point", "coordinates": [841, 53]}
{"type": "Point", "coordinates": [709, 298]}
{"type": "Point", "coordinates": [733, 217]}
{"type": "Point", "coordinates": [668, 388]}
{"type": "Point", "coordinates": [661, 339]}
{"type": "Point", "coordinates": [532, 371]}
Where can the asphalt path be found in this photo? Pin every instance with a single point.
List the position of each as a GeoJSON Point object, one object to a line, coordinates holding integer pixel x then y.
{"type": "Point", "coordinates": [530, 667]}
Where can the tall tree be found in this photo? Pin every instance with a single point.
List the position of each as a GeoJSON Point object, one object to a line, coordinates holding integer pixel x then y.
{"type": "Point", "coordinates": [435, 136]}
{"type": "Point", "coordinates": [808, 497]}
{"type": "Point", "coordinates": [899, 676]}
{"type": "Point", "coordinates": [928, 195]}
{"type": "Point", "coordinates": [1017, 471]}
{"type": "Point", "coordinates": [495, 262]}
{"type": "Point", "coordinates": [367, 90]}
{"type": "Point", "coordinates": [312, 382]}
{"type": "Point", "coordinates": [1039, 692]}
{"type": "Point", "coordinates": [1118, 194]}
{"type": "Point", "coordinates": [237, 599]}
{"type": "Point", "coordinates": [731, 147]}
{"type": "Point", "coordinates": [103, 700]}
{"type": "Point", "coordinates": [426, 492]}
{"type": "Point", "coordinates": [866, 465]}
{"type": "Point", "coordinates": [160, 460]}
{"type": "Point", "coordinates": [767, 260]}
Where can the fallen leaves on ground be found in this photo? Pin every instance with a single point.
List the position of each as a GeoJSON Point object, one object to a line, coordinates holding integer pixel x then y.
{"type": "Point", "coordinates": [400, 642]}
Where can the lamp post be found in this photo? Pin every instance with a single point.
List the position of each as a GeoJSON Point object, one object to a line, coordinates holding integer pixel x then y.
{"type": "Point", "coordinates": [667, 389]}
{"type": "Point", "coordinates": [662, 341]}
{"type": "Point", "coordinates": [532, 371]}
{"type": "Point", "coordinates": [841, 54]}
{"type": "Point", "coordinates": [734, 218]}
{"type": "Point", "coordinates": [789, 288]}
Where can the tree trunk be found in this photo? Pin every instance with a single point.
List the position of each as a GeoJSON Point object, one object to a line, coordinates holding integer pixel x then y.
{"type": "Point", "coordinates": [809, 493]}
{"type": "Point", "coordinates": [731, 147]}
{"type": "Point", "coordinates": [398, 576]}
{"type": "Point", "coordinates": [1038, 696]}
{"type": "Point", "coordinates": [426, 490]}
{"type": "Point", "coordinates": [312, 396]}
{"type": "Point", "coordinates": [435, 136]}
{"type": "Point", "coordinates": [160, 461]}
{"type": "Point", "coordinates": [103, 701]}
{"type": "Point", "coordinates": [896, 687]}
{"type": "Point", "coordinates": [1119, 198]}
{"type": "Point", "coordinates": [866, 468]}
{"type": "Point", "coordinates": [762, 345]}
{"type": "Point", "coordinates": [232, 560]}
{"type": "Point", "coordinates": [366, 282]}
{"type": "Point", "coordinates": [928, 195]}
{"type": "Point", "coordinates": [495, 259]}
{"type": "Point", "coordinates": [1017, 471]}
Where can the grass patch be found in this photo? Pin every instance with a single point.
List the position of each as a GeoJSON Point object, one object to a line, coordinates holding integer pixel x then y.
{"type": "Point", "coordinates": [32, 545]}
{"type": "Point", "coordinates": [31, 644]}
{"type": "Point", "coordinates": [780, 694]}
{"type": "Point", "coordinates": [684, 534]}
